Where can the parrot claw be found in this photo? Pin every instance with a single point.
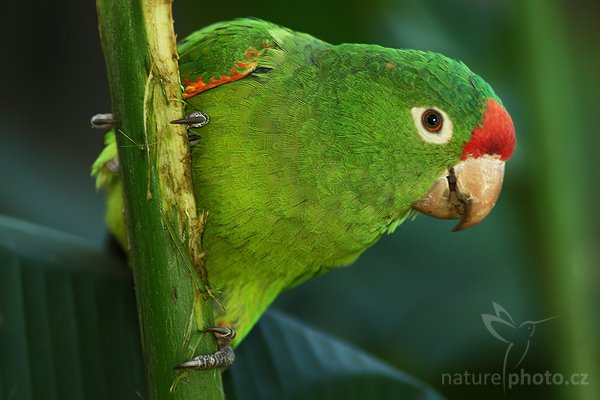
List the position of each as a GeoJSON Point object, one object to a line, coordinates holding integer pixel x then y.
{"type": "Point", "coordinates": [193, 139]}
{"type": "Point", "coordinates": [222, 358]}
{"type": "Point", "coordinates": [197, 119]}
{"type": "Point", "coordinates": [103, 121]}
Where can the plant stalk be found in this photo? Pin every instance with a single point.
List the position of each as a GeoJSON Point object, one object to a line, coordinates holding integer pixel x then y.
{"type": "Point", "coordinates": [163, 225]}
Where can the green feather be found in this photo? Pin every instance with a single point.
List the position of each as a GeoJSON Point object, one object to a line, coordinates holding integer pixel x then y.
{"type": "Point", "coordinates": [309, 160]}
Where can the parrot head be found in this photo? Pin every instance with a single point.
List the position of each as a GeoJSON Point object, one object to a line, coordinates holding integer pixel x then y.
{"type": "Point", "coordinates": [469, 189]}
{"type": "Point", "coordinates": [461, 126]}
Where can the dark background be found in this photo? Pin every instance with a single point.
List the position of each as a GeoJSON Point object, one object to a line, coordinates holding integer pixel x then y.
{"type": "Point", "coordinates": [416, 298]}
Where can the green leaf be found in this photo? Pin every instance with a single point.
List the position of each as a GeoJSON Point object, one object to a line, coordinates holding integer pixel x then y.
{"type": "Point", "coordinates": [68, 326]}
{"type": "Point", "coordinates": [68, 329]}
{"type": "Point", "coordinates": [283, 358]}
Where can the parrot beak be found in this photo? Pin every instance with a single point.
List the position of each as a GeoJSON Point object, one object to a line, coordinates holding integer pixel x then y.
{"type": "Point", "coordinates": [467, 191]}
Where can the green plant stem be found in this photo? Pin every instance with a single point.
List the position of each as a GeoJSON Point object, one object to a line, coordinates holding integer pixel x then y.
{"type": "Point", "coordinates": [164, 230]}
{"type": "Point", "coordinates": [561, 211]}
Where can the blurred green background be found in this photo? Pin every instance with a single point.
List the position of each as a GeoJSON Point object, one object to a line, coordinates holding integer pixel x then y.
{"type": "Point", "coordinates": [416, 298]}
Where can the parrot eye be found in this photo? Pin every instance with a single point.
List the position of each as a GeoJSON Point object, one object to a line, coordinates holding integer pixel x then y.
{"type": "Point", "coordinates": [432, 120]}
{"type": "Point", "coordinates": [433, 125]}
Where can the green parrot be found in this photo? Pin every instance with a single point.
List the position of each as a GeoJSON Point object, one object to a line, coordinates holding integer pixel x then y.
{"type": "Point", "coordinates": [306, 153]}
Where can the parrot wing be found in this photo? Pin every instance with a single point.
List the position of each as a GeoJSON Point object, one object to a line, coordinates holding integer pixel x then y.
{"type": "Point", "coordinates": [226, 52]}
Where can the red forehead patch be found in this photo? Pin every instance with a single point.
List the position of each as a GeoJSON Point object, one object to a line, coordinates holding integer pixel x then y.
{"type": "Point", "coordinates": [496, 136]}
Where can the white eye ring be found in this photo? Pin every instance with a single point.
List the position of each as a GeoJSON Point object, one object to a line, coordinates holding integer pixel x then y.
{"type": "Point", "coordinates": [441, 136]}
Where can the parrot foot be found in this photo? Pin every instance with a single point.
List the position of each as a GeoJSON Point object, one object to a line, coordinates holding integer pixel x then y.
{"type": "Point", "coordinates": [193, 139]}
{"type": "Point", "coordinates": [222, 358]}
{"type": "Point", "coordinates": [197, 119]}
{"type": "Point", "coordinates": [103, 121]}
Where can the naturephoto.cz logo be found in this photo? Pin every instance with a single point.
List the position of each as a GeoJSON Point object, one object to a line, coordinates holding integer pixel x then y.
{"type": "Point", "coordinates": [517, 338]}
